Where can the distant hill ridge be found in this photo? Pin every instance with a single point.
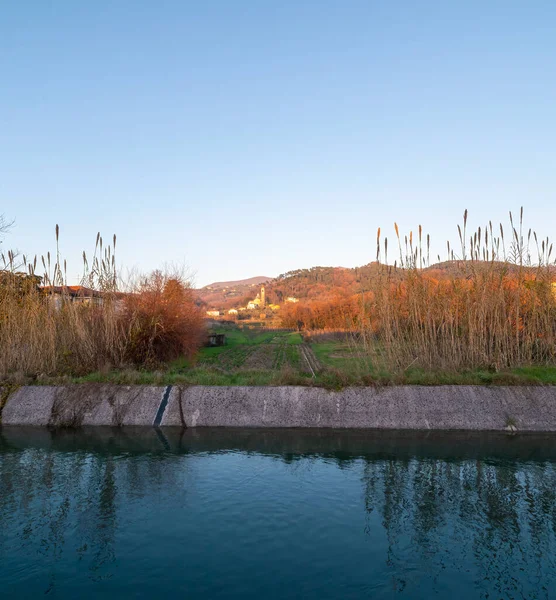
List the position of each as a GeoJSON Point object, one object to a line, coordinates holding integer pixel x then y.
{"type": "Point", "coordinates": [325, 282]}
{"type": "Point", "coordinates": [226, 294]}
{"type": "Point", "coordinates": [259, 280]}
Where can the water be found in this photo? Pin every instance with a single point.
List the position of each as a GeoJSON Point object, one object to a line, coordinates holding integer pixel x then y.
{"type": "Point", "coordinates": [269, 514]}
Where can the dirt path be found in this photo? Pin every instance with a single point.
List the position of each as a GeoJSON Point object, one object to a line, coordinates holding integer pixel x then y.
{"type": "Point", "coordinates": [309, 359]}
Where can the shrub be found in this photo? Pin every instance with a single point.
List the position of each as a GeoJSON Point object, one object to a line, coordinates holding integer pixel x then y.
{"type": "Point", "coordinates": [56, 329]}
{"type": "Point", "coordinates": [162, 321]}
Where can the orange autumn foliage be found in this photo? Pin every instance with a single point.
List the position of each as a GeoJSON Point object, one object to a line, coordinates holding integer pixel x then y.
{"type": "Point", "coordinates": [163, 320]}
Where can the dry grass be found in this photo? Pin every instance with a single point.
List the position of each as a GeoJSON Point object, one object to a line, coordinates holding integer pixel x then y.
{"type": "Point", "coordinates": [43, 333]}
{"type": "Point", "coordinates": [492, 307]}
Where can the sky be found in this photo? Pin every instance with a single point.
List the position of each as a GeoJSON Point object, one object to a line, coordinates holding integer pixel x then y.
{"type": "Point", "coordinates": [244, 138]}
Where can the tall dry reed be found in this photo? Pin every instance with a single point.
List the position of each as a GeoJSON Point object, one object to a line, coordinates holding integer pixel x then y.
{"type": "Point", "coordinates": [491, 305]}
{"type": "Point", "coordinates": [50, 328]}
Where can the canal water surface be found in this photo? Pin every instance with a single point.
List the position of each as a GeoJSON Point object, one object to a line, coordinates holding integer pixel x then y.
{"type": "Point", "coordinates": [246, 514]}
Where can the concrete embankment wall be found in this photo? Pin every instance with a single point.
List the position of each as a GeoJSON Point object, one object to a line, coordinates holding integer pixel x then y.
{"type": "Point", "coordinates": [399, 407]}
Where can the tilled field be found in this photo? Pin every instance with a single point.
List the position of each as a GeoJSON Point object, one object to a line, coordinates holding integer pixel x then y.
{"type": "Point", "coordinates": [270, 353]}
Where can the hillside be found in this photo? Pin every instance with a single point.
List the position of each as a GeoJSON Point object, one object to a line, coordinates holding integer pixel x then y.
{"type": "Point", "coordinates": [322, 283]}
{"type": "Point", "coordinates": [225, 294]}
{"type": "Point", "coordinates": [312, 283]}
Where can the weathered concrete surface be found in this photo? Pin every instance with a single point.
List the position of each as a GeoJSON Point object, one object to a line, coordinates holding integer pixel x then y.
{"type": "Point", "coordinates": [29, 406]}
{"type": "Point", "coordinates": [77, 405]}
{"type": "Point", "coordinates": [400, 407]}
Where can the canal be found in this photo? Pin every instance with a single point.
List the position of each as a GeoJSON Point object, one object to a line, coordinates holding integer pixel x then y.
{"type": "Point", "coordinates": [224, 513]}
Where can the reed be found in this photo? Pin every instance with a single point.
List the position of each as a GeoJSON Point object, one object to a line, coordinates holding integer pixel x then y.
{"type": "Point", "coordinates": [49, 328]}
{"type": "Point", "coordinates": [490, 305]}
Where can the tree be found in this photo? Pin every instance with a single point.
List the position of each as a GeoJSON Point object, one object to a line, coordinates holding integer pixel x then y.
{"type": "Point", "coordinates": [4, 226]}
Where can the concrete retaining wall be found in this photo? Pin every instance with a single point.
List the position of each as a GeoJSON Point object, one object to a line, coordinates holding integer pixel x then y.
{"type": "Point", "coordinates": [401, 407]}
{"type": "Point", "coordinates": [77, 405]}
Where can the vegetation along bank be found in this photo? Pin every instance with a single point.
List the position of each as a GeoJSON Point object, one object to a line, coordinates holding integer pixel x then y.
{"type": "Point", "coordinates": [486, 316]}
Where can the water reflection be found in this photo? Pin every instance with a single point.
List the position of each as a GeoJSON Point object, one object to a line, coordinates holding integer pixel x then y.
{"type": "Point", "coordinates": [462, 514]}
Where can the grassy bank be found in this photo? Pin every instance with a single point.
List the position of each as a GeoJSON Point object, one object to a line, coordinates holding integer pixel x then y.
{"type": "Point", "coordinates": [262, 358]}
{"type": "Point", "coordinates": [486, 316]}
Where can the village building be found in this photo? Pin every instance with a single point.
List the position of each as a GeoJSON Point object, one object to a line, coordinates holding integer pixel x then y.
{"type": "Point", "coordinates": [77, 294]}
{"type": "Point", "coordinates": [213, 313]}
{"type": "Point", "coordinates": [258, 303]}
{"type": "Point", "coordinates": [292, 299]}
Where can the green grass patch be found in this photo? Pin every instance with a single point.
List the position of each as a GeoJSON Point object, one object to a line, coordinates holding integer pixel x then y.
{"type": "Point", "coordinates": [195, 376]}
{"type": "Point", "coordinates": [341, 356]}
{"type": "Point", "coordinates": [292, 356]}
{"type": "Point", "coordinates": [537, 375]}
{"type": "Point", "coordinates": [294, 339]}
{"type": "Point", "coordinates": [328, 377]}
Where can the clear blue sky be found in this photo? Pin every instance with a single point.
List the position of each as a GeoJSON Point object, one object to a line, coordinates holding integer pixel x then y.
{"type": "Point", "coordinates": [251, 137]}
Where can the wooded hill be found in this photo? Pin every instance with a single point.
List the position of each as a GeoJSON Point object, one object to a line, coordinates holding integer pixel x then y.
{"type": "Point", "coordinates": [323, 283]}
{"type": "Point", "coordinates": [223, 295]}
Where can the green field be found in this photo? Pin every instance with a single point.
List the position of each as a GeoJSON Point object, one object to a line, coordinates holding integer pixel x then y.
{"type": "Point", "coordinates": [258, 356]}
{"type": "Point", "coordinates": [253, 349]}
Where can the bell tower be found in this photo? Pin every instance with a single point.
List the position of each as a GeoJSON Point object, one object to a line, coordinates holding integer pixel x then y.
{"type": "Point", "coordinates": [263, 300]}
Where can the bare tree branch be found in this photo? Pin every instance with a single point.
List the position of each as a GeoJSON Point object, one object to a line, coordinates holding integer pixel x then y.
{"type": "Point", "coordinates": [5, 226]}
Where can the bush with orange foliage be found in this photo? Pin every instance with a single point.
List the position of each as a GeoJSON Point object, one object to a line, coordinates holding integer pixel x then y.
{"type": "Point", "coordinates": [162, 320]}
{"type": "Point", "coordinates": [338, 312]}
{"type": "Point", "coordinates": [48, 331]}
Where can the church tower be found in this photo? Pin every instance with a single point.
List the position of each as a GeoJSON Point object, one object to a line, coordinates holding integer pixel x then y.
{"type": "Point", "coordinates": [262, 305]}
